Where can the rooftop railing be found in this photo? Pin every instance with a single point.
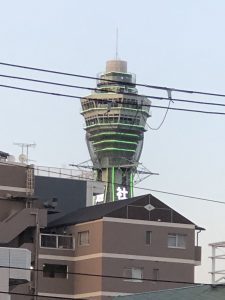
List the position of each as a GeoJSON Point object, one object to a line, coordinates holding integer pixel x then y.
{"type": "Point", "coordinates": [68, 173]}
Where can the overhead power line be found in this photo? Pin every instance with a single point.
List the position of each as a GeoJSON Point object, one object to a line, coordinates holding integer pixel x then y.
{"type": "Point", "coordinates": [66, 298]}
{"type": "Point", "coordinates": [163, 119]}
{"type": "Point", "coordinates": [144, 189]}
{"type": "Point", "coordinates": [136, 187]}
{"type": "Point", "coordinates": [165, 115]}
{"type": "Point", "coordinates": [109, 276]}
{"type": "Point", "coordinates": [96, 99]}
{"type": "Point", "coordinates": [114, 92]}
{"type": "Point", "coordinates": [114, 81]}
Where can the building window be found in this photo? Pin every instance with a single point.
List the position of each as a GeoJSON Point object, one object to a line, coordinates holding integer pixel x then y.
{"type": "Point", "coordinates": [65, 242]}
{"type": "Point", "coordinates": [133, 274]}
{"type": "Point", "coordinates": [148, 237]}
{"type": "Point", "coordinates": [48, 241]}
{"type": "Point", "coordinates": [155, 274]}
{"type": "Point", "coordinates": [176, 240]}
{"type": "Point", "coordinates": [55, 271]}
{"type": "Point", "coordinates": [83, 238]}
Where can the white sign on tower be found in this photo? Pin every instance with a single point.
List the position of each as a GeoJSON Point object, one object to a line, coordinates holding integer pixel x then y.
{"type": "Point", "coordinates": [121, 193]}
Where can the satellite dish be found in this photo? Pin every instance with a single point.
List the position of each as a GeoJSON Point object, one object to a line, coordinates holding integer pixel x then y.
{"type": "Point", "coordinates": [22, 158]}
{"type": "Point", "coordinates": [11, 158]}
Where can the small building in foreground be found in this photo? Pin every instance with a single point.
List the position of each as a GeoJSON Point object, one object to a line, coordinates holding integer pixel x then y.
{"type": "Point", "coordinates": [111, 249]}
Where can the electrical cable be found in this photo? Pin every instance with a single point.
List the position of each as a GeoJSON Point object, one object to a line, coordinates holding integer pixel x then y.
{"type": "Point", "coordinates": [167, 109]}
{"type": "Point", "coordinates": [95, 99]}
{"type": "Point", "coordinates": [113, 81]}
{"type": "Point", "coordinates": [107, 276]}
{"type": "Point", "coordinates": [136, 187]}
{"type": "Point", "coordinates": [93, 89]}
{"type": "Point", "coordinates": [163, 120]}
{"type": "Point", "coordinates": [140, 188]}
{"type": "Point", "coordinates": [106, 90]}
{"type": "Point", "coordinates": [69, 298]}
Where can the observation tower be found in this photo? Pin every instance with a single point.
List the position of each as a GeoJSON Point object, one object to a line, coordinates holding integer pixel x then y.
{"type": "Point", "coordinates": [115, 118]}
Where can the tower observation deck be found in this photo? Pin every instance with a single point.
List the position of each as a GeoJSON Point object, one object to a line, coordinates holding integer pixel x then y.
{"type": "Point", "coordinates": [115, 117]}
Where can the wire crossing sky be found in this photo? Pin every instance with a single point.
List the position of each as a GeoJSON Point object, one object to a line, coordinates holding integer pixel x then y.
{"type": "Point", "coordinates": [122, 93]}
{"type": "Point", "coordinates": [114, 81]}
{"type": "Point", "coordinates": [166, 44]}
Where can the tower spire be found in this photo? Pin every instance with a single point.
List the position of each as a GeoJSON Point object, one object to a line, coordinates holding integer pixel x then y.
{"type": "Point", "coordinates": [117, 42]}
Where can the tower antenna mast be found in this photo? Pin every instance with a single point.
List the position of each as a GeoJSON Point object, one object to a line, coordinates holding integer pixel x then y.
{"type": "Point", "coordinates": [117, 42]}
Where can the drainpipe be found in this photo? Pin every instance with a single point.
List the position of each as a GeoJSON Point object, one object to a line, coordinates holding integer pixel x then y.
{"type": "Point", "coordinates": [198, 232]}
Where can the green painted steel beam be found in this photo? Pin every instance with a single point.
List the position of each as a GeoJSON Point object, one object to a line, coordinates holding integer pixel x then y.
{"type": "Point", "coordinates": [113, 184]}
{"type": "Point", "coordinates": [115, 133]}
{"type": "Point", "coordinates": [131, 185]}
{"type": "Point", "coordinates": [115, 149]}
{"type": "Point", "coordinates": [115, 141]}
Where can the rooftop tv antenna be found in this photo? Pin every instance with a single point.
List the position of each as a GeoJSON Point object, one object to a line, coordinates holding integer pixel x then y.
{"type": "Point", "coordinates": [24, 156]}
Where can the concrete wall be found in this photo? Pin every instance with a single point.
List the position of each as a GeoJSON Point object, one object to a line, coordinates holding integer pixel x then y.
{"type": "Point", "coordinates": [71, 194]}
{"type": "Point", "coordinates": [129, 238]}
{"type": "Point", "coordinates": [13, 179]}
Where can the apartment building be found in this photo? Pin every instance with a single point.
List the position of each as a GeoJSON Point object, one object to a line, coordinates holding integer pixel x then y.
{"type": "Point", "coordinates": [92, 252]}
{"type": "Point", "coordinates": [111, 249]}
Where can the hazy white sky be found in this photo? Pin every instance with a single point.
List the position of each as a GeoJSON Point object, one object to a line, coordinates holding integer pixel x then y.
{"type": "Point", "coordinates": [168, 43]}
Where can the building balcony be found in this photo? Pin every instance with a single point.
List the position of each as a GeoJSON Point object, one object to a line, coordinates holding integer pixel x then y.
{"type": "Point", "coordinates": [57, 241]}
{"type": "Point", "coordinates": [198, 254]}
